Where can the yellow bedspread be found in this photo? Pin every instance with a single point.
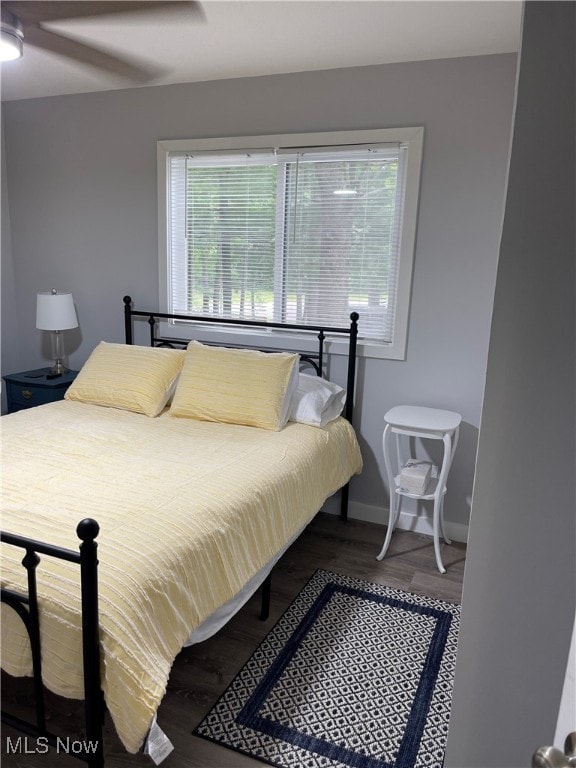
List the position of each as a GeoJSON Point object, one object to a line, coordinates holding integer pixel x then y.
{"type": "Point", "coordinates": [188, 512]}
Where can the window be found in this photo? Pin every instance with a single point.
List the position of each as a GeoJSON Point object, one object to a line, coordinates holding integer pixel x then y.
{"type": "Point", "coordinates": [293, 229]}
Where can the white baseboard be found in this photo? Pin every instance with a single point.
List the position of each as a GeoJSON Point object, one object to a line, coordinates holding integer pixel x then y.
{"type": "Point", "coordinates": [408, 521]}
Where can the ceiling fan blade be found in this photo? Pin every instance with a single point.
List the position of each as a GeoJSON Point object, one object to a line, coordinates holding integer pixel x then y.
{"type": "Point", "coordinates": [39, 11]}
{"type": "Point", "coordinates": [95, 57]}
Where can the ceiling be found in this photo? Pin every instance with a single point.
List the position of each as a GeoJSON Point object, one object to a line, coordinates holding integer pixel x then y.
{"type": "Point", "coordinates": [245, 38]}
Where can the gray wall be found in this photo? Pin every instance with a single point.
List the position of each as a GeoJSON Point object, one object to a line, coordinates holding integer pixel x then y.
{"type": "Point", "coordinates": [519, 586]}
{"type": "Point", "coordinates": [10, 350]}
{"type": "Point", "coordinates": [82, 191]}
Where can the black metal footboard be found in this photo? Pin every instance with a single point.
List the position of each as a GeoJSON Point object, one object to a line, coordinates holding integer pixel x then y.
{"type": "Point", "coordinates": [26, 606]}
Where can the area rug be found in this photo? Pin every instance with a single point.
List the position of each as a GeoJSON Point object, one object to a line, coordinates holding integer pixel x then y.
{"type": "Point", "coordinates": [354, 674]}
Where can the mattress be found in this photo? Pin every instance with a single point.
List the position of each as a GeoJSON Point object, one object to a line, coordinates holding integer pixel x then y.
{"type": "Point", "coordinates": [189, 513]}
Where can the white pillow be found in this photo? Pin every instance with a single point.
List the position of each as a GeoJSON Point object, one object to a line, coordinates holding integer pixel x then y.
{"type": "Point", "coordinates": [316, 401]}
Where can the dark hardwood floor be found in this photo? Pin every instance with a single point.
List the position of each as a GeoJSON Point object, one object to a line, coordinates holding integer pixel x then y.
{"type": "Point", "coordinates": [202, 672]}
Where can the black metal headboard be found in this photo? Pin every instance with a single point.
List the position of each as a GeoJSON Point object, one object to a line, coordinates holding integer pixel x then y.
{"type": "Point", "coordinates": [315, 359]}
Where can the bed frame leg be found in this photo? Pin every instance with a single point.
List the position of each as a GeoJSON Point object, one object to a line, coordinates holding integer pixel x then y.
{"type": "Point", "coordinates": [344, 502]}
{"type": "Point", "coordinates": [265, 604]}
{"type": "Point", "coordinates": [87, 531]}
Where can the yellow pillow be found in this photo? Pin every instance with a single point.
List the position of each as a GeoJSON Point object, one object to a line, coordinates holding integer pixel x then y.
{"type": "Point", "coordinates": [236, 386]}
{"type": "Point", "coordinates": [132, 378]}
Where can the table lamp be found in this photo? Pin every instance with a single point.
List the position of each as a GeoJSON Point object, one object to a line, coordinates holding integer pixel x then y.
{"type": "Point", "coordinates": [55, 312]}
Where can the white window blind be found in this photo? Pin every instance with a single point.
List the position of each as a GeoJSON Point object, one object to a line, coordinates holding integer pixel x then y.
{"type": "Point", "coordinates": [295, 234]}
{"type": "Point", "coordinates": [228, 236]}
{"type": "Point", "coordinates": [341, 237]}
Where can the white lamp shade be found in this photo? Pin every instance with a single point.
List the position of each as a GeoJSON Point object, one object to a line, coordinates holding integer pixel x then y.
{"type": "Point", "coordinates": [55, 311]}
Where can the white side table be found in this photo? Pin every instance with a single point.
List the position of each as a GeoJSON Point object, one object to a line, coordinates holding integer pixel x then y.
{"type": "Point", "coordinates": [428, 423]}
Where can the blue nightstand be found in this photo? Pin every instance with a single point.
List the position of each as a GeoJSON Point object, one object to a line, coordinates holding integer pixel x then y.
{"type": "Point", "coordinates": [31, 388]}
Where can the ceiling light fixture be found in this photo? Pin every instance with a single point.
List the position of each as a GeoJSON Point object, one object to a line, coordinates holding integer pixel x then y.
{"type": "Point", "coordinates": [11, 37]}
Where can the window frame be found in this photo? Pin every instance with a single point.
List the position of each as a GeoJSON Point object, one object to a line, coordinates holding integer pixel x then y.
{"type": "Point", "coordinates": [411, 137]}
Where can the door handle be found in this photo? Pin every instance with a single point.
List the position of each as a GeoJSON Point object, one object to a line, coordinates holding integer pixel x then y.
{"type": "Point", "coordinates": [551, 757]}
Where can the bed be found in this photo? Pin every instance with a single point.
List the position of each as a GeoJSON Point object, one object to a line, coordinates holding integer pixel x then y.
{"type": "Point", "coordinates": [193, 505]}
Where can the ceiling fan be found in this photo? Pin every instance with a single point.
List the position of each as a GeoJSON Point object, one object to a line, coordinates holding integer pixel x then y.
{"type": "Point", "coordinates": [24, 23]}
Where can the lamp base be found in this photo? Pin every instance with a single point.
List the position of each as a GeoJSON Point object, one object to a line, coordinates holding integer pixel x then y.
{"type": "Point", "coordinates": [58, 368]}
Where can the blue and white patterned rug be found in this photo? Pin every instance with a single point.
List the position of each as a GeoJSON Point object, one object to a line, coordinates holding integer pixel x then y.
{"type": "Point", "coordinates": [354, 674]}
